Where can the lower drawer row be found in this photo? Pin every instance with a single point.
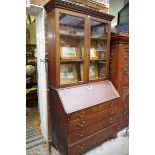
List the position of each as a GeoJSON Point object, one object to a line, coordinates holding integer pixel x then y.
{"type": "Point", "coordinates": [93, 140]}
{"type": "Point", "coordinates": [90, 129]}
{"type": "Point", "coordinates": [83, 122]}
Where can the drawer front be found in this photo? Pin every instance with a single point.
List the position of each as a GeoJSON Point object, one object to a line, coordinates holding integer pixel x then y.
{"type": "Point", "coordinates": [93, 140]}
{"type": "Point", "coordinates": [83, 122]}
{"type": "Point", "coordinates": [90, 129]}
{"type": "Point", "coordinates": [92, 110]}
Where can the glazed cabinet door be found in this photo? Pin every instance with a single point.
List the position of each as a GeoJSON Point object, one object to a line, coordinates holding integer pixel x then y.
{"type": "Point", "coordinates": [72, 36]}
{"type": "Point", "coordinates": [82, 48]}
{"type": "Point", "coordinates": [99, 44]}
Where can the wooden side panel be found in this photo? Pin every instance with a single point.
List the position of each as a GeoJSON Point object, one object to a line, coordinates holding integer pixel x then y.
{"type": "Point", "coordinates": [119, 75]}
{"type": "Point", "coordinates": [59, 130]}
{"type": "Point", "coordinates": [51, 25]}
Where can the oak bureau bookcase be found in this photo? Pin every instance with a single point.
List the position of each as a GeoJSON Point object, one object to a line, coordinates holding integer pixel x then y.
{"type": "Point", "coordinates": [83, 102]}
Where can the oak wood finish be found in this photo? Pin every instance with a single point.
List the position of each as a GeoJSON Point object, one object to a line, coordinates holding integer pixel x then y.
{"type": "Point", "coordinates": [78, 8]}
{"type": "Point", "coordinates": [84, 113]}
{"type": "Point", "coordinates": [70, 127]}
{"type": "Point", "coordinates": [119, 74]}
{"type": "Point", "coordinates": [83, 122]}
{"type": "Point", "coordinates": [92, 140]}
{"type": "Point", "coordinates": [54, 8]}
{"type": "Point", "coordinates": [85, 131]}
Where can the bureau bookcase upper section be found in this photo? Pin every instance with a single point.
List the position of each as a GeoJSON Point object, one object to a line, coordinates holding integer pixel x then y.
{"type": "Point", "coordinates": [78, 43]}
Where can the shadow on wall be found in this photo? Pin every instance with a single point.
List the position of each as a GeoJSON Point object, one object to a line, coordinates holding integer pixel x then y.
{"type": "Point", "coordinates": [114, 7]}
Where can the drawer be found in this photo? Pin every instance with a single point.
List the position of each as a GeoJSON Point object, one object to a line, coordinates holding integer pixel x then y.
{"type": "Point", "coordinates": [92, 110]}
{"type": "Point", "coordinates": [83, 122]}
{"type": "Point", "coordinates": [92, 141]}
{"type": "Point", "coordinates": [90, 129]}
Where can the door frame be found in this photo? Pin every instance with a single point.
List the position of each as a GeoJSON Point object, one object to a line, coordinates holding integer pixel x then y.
{"type": "Point", "coordinates": [39, 13]}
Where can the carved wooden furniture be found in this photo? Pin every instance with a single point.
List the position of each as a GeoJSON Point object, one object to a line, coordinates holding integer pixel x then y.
{"type": "Point", "coordinates": [119, 74]}
{"type": "Point", "coordinates": [93, 4]}
{"type": "Point", "coordinates": [84, 103]}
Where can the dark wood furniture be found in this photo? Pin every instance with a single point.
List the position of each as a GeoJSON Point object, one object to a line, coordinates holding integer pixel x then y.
{"type": "Point", "coordinates": [85, 29]}
{"type": "Point", "coordinates": [83, 116]}
{"type": "Point", "coordinates": [84, 104]}
{"type": "Point", "coordinates": [119, 74]}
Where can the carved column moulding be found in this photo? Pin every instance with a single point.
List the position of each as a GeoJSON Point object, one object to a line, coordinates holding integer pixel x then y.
{"type": "Point", "coordinates": [111, 59]}
{"type": "Point", "coordinates": [125, 92]}
{"type": "Point", "coordinates": [126, 68]}
{"type": "Point", "coordinates": [70, 5]}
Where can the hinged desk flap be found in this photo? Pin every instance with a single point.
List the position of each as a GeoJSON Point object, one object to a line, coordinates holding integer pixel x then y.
{"type": "Point", "coordinates": [87, 95]}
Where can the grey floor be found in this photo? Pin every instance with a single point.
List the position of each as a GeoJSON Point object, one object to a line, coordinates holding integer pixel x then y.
{"type": "Point", "coordinates": [118, 146]}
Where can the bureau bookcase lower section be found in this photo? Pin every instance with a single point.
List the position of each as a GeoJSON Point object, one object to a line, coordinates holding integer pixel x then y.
{"type": "Point", "coordinates": [74, 133]}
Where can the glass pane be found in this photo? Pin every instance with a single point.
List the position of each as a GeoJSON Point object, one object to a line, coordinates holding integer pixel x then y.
{"type": "Point", "coordinates": [71, 32]}
{"type": "Point", "coordinates": [98, 49]}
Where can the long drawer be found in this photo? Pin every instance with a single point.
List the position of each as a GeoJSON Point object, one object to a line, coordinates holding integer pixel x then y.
{"type": "Point", "coordinates": [93, 140]}
{"type": "Point", "coordinates": [92, 110]}
{"type": "Point", "coordinates": [83, 122]}
{"type": "Point", "coordinates": [90, 129]}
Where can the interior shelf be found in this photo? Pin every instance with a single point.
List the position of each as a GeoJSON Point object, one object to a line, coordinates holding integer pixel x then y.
{"type": "Point", "coordinates": [98, 37]}
{"type": "Point", "coordinates": [98, 60]}
{"type": "Point", "coordinates": [101, 50]}
{"type": "Point", "coordinates": [71, 35]}
{"type": "Point", "coordinates": [71, 60]}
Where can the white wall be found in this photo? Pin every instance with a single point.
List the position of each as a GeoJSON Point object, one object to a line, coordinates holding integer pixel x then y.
{"type": "Point", "coordinates": [32, 29]}
{"type": "Point", "coordinates": [42, 86]}
{"type": "Point", "coordinates": [114, 7]}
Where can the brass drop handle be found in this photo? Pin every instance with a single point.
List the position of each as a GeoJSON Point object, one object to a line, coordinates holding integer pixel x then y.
{"type": "Point", "coordinates": [111, 112]}
{"type": "Point", "coordinates": [81, 115]}
{"type": "Point", "coordinates": [80, 134]}
{"type": "Point", "coordinates": [112, 104]}
{"type": "Point", "coordinates": [110, 120]}
{"type": "Point", "coordinates": [82, 146]}
{"type": "Point", "coordinates": [81, 124]}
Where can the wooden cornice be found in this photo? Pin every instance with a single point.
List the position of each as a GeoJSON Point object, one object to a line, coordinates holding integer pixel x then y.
{"type": "Point", "coordinates": [76, 7]}
{"type": "Point", "coordinates": [120, 38]}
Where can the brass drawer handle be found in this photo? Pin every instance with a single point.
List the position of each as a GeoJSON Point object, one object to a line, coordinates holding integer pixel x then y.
{"type": "Point", "coordinates": [81, 114]}
{"type": "Point", "coordinates": [82, 146]}
{"type": "Point", "coordinates": [110, 121]}
{"type": "Point", "coordinates": [80, 134]}
{"type": "Point", "coordinates": [81, 124]}
{"type": "Point", "coordinates": [111, 112]}
{"type": "Point", "coordinates": [112, 104]}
